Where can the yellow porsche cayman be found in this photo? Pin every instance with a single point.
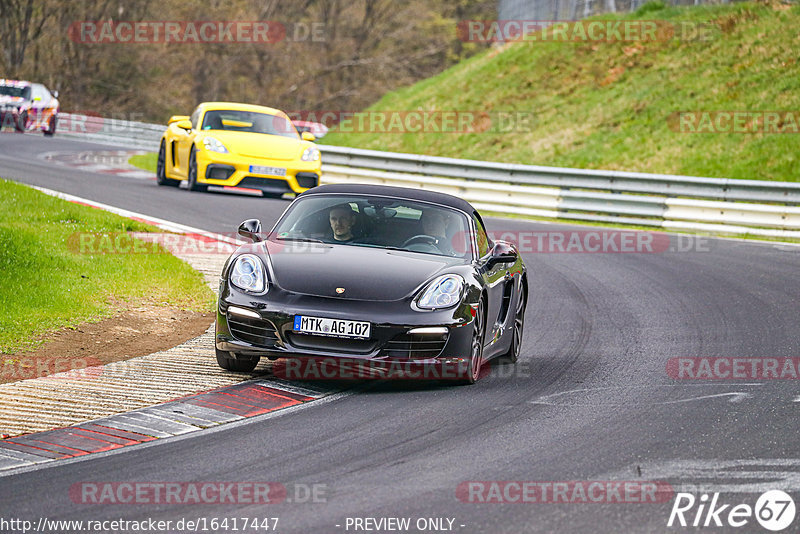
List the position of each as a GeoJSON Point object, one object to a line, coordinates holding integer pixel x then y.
{"type": "Point", "coordinates": [237, 145]}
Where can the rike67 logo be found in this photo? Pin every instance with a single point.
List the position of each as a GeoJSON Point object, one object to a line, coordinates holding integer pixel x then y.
{"type": "Point", "coordinates": [774, 510]}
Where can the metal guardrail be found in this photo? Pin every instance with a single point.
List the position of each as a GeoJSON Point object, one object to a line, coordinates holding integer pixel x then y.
{"type": "Point", "coordinates": [756, 207]}
{"type": "Point", "coordinates": [614, 181]}
{"type": "Point", "coordinates": [109, 130]}
{"type": "Point", "coordinates": [669, 201]}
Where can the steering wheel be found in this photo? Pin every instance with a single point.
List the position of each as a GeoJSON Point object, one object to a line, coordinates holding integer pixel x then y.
{"type": "Point", "coordinates": [421, 238]}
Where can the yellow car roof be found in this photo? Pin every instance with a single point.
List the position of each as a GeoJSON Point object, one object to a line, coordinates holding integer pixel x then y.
{"type": "Point", "coordinates": [240, 107]}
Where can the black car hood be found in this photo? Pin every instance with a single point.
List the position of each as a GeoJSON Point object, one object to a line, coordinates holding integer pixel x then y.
{"type": "Point", "coordinates": [365, 273]}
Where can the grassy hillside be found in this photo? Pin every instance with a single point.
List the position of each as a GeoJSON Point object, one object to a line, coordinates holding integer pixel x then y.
{"type": "Point", "coordinates": [607, 105]}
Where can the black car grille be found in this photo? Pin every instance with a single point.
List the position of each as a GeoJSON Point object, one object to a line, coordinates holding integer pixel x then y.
{"type": "Point", "coordinates": [414, 346]}
{"type": "Point", "coordinates": [254, 331]}
{"type": "Point", "coordinates": [332, 344]}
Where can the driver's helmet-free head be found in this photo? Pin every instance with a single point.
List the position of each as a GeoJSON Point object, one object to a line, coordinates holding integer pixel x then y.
{"type": "Point", "coordinates": [435, 222]}
{"type": "Point", "coordinates": [343, 214]}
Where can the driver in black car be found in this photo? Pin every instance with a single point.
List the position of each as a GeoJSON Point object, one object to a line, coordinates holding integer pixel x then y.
{"type": "Point", "coordinates": [342, 219]}
{"type": "Point", "coordinates": [435, 224]}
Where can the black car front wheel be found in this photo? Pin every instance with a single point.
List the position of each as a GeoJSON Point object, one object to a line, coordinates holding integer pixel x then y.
{"type": "Point", "coordinates": [229, 363]}
{"type": "Point", "coordinates": [516, 337]}
{"type": "Point", "coordinates": [193, 185]}
{"type": "Point", "coordinates": [472, 373]}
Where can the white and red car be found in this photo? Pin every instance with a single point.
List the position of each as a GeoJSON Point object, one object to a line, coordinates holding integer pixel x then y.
{"type": "Point", "coordinates": [27, 106]}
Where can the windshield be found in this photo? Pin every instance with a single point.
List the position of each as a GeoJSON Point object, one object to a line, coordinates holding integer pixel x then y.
{"type": "Point", "coordinates": [16, 91]}
{"type": "Point", "coordinates": [381, 222]}
{"type": "Point", "coordinates": [249, 121]}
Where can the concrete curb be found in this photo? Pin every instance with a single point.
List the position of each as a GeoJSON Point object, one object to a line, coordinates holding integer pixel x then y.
{"type": "Point", "coordinates": [111, 406]}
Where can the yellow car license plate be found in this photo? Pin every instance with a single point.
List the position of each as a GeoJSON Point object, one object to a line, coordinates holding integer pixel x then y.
{"type": "Point", "coordinates": [272, 171]}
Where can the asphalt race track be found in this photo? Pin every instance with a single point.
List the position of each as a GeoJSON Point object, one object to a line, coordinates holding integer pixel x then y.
{"type": "Point", "coordinates": [590, 399]}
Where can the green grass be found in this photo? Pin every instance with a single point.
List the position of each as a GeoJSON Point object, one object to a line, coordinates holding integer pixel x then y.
{"type": "Point", "coordinates": [606, 105]}
{"type": "Point", "coordinates": [145, 161]}
{"type": "Point", "coordinates": [46, 286]}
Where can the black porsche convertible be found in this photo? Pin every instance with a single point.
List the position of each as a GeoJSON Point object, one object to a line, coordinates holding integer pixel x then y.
{"type": "Point", "coordinates": [388, 276]}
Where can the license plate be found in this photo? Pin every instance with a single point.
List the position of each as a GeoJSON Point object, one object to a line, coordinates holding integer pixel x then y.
{"type": "Point", "coordinates": [331, 327]}
{"type": "Point", "coordinates": [272, 171]}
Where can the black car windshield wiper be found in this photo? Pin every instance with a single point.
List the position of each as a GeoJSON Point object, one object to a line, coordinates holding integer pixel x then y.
{"type": "Point", "coordinates": [301, 239]}
{"type": "Point", "coordinates": [375, 245]}
{"type": "Point", "coordinates": [414, 251]}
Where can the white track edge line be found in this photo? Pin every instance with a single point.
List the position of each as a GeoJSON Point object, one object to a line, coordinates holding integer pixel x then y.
{"type": "Point", "coordinates": [160, 223]}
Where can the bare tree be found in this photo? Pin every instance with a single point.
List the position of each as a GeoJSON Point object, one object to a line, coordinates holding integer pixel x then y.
{"type": "Point", "coordinates": [369, 47]}
{"type": "Point", "coordinates": [21, 22]}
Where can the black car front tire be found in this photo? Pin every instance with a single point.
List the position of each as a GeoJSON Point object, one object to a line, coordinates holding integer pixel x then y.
{"type": "Point", "coordinates": [227, 361]}
{"type": "Point", "coordinates": [472, 373]}
{"type": "Point", "coordinates": [519, 323]}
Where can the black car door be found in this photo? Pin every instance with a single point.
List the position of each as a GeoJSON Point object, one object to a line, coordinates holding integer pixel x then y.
{"type": "Point", "coordinates": [494, 278]}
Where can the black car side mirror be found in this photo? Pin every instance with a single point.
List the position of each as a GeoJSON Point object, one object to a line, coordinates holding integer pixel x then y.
{"type": "Point", "coordinates": [502, 252]}
{"type": "Point", "coordinates": [251, 228]}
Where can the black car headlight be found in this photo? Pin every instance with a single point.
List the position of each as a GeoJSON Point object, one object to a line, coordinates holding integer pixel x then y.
{"type": "Point", "coordinates": [248, 274]}
{"type": "Point", "coordinates": [442, 292]}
